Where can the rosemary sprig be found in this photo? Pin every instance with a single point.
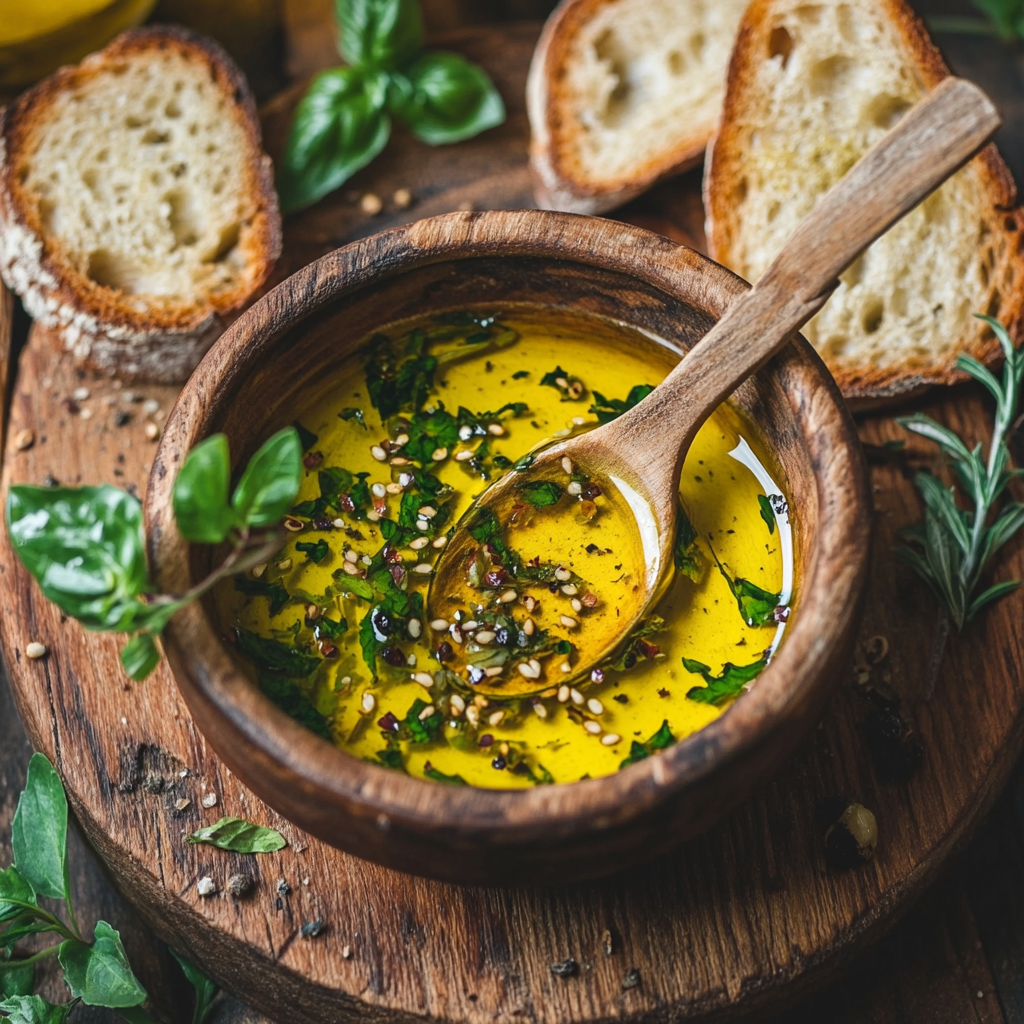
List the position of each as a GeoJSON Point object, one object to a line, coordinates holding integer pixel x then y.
{"type": "Point", "coordinates": [952, 547]}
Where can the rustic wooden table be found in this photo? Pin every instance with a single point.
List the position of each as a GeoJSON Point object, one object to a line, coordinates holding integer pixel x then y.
{"type": "Point", "coordinates": [959, 956]}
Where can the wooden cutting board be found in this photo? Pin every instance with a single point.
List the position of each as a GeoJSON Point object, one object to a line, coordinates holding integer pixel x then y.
{"type": "Point", "coordinates": [748, 915]}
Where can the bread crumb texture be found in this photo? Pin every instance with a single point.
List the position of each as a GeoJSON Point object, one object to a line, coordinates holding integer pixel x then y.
{"type": "Point", "coordinates": [811, 88]}
{"type": "Point", "coordinates": [633, 89]}
{"type": "Point", "coordinates": [136, 205]}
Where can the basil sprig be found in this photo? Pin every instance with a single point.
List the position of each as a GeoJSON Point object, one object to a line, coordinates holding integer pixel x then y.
{"type": "Point", "coordinates": [344, 119]}
{"type": "Point", "coordinates": [85, 545]}
{"type": "Point", "coordinates": [98, 972]}
{"type": "Point", "coordinates": [952, 547]}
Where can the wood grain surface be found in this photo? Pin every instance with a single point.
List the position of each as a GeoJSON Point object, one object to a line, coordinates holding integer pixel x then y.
{"type": "Point", "coordinates": [735, 917]}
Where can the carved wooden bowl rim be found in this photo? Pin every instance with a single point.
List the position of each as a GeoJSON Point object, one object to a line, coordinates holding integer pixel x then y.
{"type": "Point", "coordinates": [830, 587]}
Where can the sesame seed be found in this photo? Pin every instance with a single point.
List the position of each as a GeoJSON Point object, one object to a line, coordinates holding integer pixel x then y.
{"type": "Point", "coordinates": [35, 649]}
{"type": "Point", "coordinates": [378, 490]}
{"type": "Point", "coordinates": [563, 694]}
{"type": "Point", "coordinates": [561, 433]}
{"type": "Point", "coordinates": [535, 665]}
{"type": "Point", "coordinates": [508, 597]}
{"type": "Point", "coordinates": [485, 636]}
{"type": "Point", "coordinates": [351, 556]}
{"type": "Point", "coordinates": [577, 604]}
{"type": "Point", "coordinates": [577, 697]}
{"type": "Point", "coordinates": [419, 542]}
{"type": "Point", "coordinates": [551, 691]}
{"type": "Point", "coordinates": [427, 512]}
{"type": "Point", "coordinates": [527, 671]}
{"type": "Point", "coordinates": [567, 464]}
{"type": "Point", "coordinates": [565, 667]}
{"type": "Point", "coordinates": [415, 627]}
{"type": "Point", "coordinates": [561, 573]}
{"type": "Point", "coordinates": [455, 633]}
{"type": "Point", "coordinates": [284, 564]}
{"type": "Point", "coordinates": [439, 542]}
{"type": "Point", "coordinates": [464, 456]}
{"type": "Point", "coordinates": [378, 453]}
{"type": "Point", "coordinates": [439, 455]}
{"type": "Point", "coordinates": [422, 524]}
{"type": "Point", "coordinates": [424, 568]}
{"type": "Point", "coordinates": [401, 440]}
{"type": "Point", "coordinates": [575, 488]}
{"type": "Point", "coordinates": [312, 612]}
{"type": "Point", "coordinates": [425, 679]}
{"type": "Point", "coordinates": [472, 714]}
{"type": "Point", "coordinates": [528, 627]}
{"type": "Point", "coordinates": [366, 560]}
{"type": "Point", "coordinates": [593, 728]}
{"type": "Point", "coordinates": [393, 488]}
{"type": "Point", "coordinates": [540, 711]}
{"type": "Point", "coordinates": [352, 570]}
{"type": "Point", "coordinates": [610, 739]}
{"type": "Point", "coordinates": [578, 421]}
{"type": "Point", "coordinates": [339, 523]}
{"type": "Point", "coordinates": [439, 625]}
{"type": "Point", "coordinates": [561, 382]}
{"type": "Point", "coordinates": [259, 570]}
{"type": "Point", "coordinates": [373, 515]}
{"type": "Point", "coordinates": [400, 460]}
{"type": "Point", "coordinates": [411, 661]}
{"type": "Point", "coordinates": [86, 414]}
{"type": "Point", "coordinates": [427, 712]}
{"type": "Point", "coordinates": [494, 671]}
{"type": "Point", "coordinates": [345, 680]}
{"type": "Point", "coordinates": [570, 590]}
{"type": "Point", "coordinates": [368, 703]}
{"type": "Point", "coordinates": [465, 433]}
{"type": "Point", "coordinates": [470, 625]}
{"type": "Point", "coordinates": [568, 621]}
{"type": "Point", "coordinates": [497, 718]}
{"type": "Point", "coordinates": [595, 706]}
{"type": "Point", "coordinates": [496, 429]}
{"type": "Point", "coordinates": [457, 703]}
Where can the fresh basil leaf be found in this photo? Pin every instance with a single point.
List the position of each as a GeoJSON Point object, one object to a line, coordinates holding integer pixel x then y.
{"type": "Point", "coordinates": [757, 606]}
{"type": "Point", "coordinates": [339, 126]}
{"type": "Point", "coordinates": [205, 989]}
{"type": "Point", "coordinates": [270, 482]}
{"type": "Point", "coordinates": [16, 894]}
{"type": "Point", "coordinates": [15, 980]}
{"type": "Point", "coordinates": [449, 99]}
{"type": "Point", "coordinates": [722, 688]}
{"type": "Point", "coordinates": [314, 552]}
{"type": "Point", "coordinates": [381, 33]}
{"type": "Point", "coordinates": [28, 1009]}
{"type": "Point", "coordinates": [239, 835]}
{"type": "Point", "coordinates": [140, 656]}
{"type": "Point", "coordinates": [422, 730]}
{"type": "Point", "coordinates": [39, 833]}
{"type": "Point", "coordinates": [84, 545]}
{"type": "Point", "coordinates": [100, 974]}
{"type": "Point", "coordinates": [608, 409]}
{"type": "Point", "coordinates": [360, 587]}
{"type": "Point", "coordinates": [200, 496]}
{"type": "Point", "coordinates": [661, 740]}
{"type": "Point", "coordinates": [540, 493]}
{"type": "Point", "coordinates": [1006, 15]}
{"type": "Point", "coordinates": [353, 414]}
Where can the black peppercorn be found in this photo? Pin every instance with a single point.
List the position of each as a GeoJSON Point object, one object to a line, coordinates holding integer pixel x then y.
{"type": "Point", "coordinates": [566, 968]}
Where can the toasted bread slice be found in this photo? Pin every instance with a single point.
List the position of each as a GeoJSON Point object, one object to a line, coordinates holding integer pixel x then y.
{"type": "Point", "coordinates": [810, 89]}
{"type": "Point", "coordinates": [136, 203]}
{"type": "Point", "coordinates": [622, 93]}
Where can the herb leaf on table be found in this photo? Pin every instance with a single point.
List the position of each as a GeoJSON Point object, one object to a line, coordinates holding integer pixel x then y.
{"type": "Point", "coordinates": [240, 835]}
{"type": "Point", "coordinates": [952, 547]}
{"type": "Point", "coordinates": [344, 119]}
{"type": "Point", "coordinates": [85, 545]}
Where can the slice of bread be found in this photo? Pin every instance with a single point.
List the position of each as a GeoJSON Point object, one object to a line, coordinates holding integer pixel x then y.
{"type": "Point", "coordinates": [136, 203]}
{"type": "Point", "coordinates": [810, 88]}
{"type": "Point", "coordinates": [622, 93]}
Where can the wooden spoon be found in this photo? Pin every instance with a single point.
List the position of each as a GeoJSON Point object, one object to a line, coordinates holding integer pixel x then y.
{"type": "Point", "coordinates": [641, 453]}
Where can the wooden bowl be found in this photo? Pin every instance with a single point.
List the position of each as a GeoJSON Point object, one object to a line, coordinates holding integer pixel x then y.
{"type": "Point", "coordinates": [287, 343]}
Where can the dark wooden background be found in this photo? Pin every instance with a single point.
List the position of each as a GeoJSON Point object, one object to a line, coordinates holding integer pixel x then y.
{"type": "Point", "coordinates": [957, 957]}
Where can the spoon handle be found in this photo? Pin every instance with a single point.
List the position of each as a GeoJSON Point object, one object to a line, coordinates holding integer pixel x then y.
{"type": "Point", "coordinates": [932, 140]}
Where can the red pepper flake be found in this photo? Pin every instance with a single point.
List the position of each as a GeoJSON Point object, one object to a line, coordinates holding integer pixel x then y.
{"type": "Point", "coordinates": [312, 459]}
{"type": "Point", "coordinates": [328, 650]}
{"type": "Point", "coordinates": [663, 692]}
{"type": "Point", "coordinates": [347, 503]}
{"type": "Point", "coordinates": [646, 648]}
{"type": "Point", "coordinates": [589, 600]}
{"type": "Point", "coordinates": [592, 491]}
{"type": "Point", "coordinates": [397, 573]}
{"type": "Point", "coordinates": [495, 578]}
{"type": "Point", "coordinates": [781, 614]}
{"type": "Point", "coordinates": [388, 722]}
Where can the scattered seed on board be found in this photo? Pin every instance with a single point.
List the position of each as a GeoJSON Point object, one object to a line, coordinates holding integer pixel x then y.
{"type": "Point", "coordinates": [402, 198]}
{"type": "Point", "coordinates": [210, 800]}
{"type": "Point", "coordinates": [239, 885]}
{"type": "Point", "coordinates": [371, 204]}
{"type": "Point", "coordinates": [24, 439]}
{"type": "Point", "coordinates": [346, 952]}
{"type": "Point", "coordinates": [206, 886]}
{"type": "Point", "coordinates": [35, 649]}
{"type": "Point", "coordinates": [152, 431]}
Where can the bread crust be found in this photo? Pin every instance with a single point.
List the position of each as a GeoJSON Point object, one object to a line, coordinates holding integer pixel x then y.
{"type": "Point", "coordinates": [100, 326]}
{"type": "Point", "coordinates": [867, 387]}
{"type": "Point", "coordinates": [558, 182]}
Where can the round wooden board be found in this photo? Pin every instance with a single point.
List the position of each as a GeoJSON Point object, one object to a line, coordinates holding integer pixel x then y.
{"type": "Point", "coordinates": [747, 915]}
